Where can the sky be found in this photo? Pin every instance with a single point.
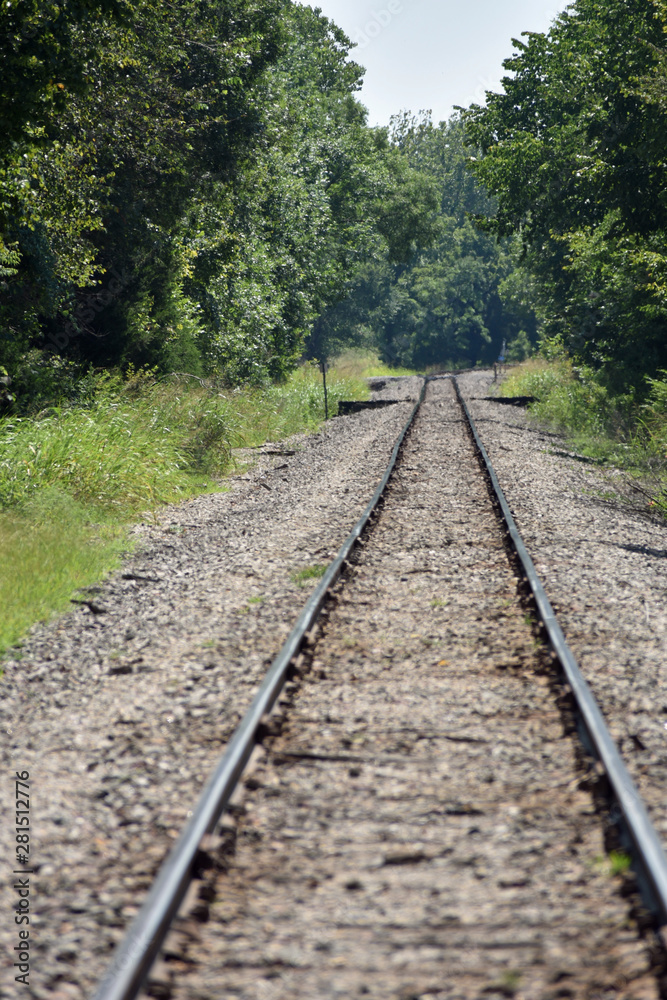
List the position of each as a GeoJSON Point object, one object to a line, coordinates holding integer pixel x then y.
{"type": "Point", "coordinates": [433, 54]}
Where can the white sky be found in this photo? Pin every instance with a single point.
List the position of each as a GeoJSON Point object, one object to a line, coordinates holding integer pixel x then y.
{"type": "Point", "coordinates": [433, 54]}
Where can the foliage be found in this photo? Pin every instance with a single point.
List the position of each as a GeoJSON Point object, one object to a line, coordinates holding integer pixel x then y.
{"type": "Point", "coordinates": [573, 150]}
{"type": "Point", "coordinates": [198, 194]}
{"type": "Point", "coordinates": [567, 397]}
{"type": "Point", "coordinates": [72, 479]}
{"type": "Point", "coordinates": [278, 411]}
{"type": "Point", "coordinates": [452, 302]}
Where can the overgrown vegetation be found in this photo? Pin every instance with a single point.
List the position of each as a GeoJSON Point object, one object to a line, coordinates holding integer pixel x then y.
{"type": "Point", "coordinates": [187, 186]}
{"type": "Point", "coordinates": [610, 429]}
{"type": "Point", "coordinates": [573, 152]}
{"type": "Point", "coordinates": [72, 480]}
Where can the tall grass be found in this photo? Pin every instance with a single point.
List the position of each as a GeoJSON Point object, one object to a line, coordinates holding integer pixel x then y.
{"type": "Point", "coordinates": [568, 398]}
{"type": "Point", "coordinates": [623, 431]}
{"type": "Point", "coordinates": [145, 442]}
{"type": "Point", "coordinates": [279, 411]}
{"type": "Point", "coordinates": [359, 364]}
{"type": "Point", "coordinates": [73, 477]}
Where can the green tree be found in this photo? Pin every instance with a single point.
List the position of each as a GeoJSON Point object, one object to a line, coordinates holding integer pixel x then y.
{"type": "Point", "coordinates": [452, 304]}
{"type": "Point", "coordinates": [573, 152]}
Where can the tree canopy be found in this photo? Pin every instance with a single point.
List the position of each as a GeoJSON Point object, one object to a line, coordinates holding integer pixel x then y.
{"type": "Point", "coordinates": [574, 153]}
{"type": "Point", "coordinates": [188, 185]}
{"type": "Point", "coordinates": [195, 187]}
{"type": "Point", "coordinates": [458, 295]}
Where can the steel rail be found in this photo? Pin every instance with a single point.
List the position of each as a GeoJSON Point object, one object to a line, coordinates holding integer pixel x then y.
{"type": "Point", "coordinates": [647, 849]}
{"type": "Point", "coordinates": [138, 950]}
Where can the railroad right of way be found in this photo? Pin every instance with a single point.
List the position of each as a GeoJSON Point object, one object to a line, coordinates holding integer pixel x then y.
{"type": "Point", "coordinates": [423, 823]}
{"type": "Point", "coordinates": [604, 567]}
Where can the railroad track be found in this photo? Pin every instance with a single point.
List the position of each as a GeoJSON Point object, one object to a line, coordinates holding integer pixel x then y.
{"type": "Point", "coordinates": [419, 819]}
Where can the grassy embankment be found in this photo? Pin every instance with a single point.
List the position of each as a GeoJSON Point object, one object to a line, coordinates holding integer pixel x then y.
{"type": "Point", "coordinates": [620, 432]}
{"type": "Point", "coordinates": [74, 478]}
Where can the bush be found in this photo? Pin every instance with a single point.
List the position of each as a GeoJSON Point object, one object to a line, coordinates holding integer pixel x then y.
{"type": "Point", "coordinates": [567, 397]}
{"type": "Point", "coordinates": [613, 429]}
{"type": "Point", "coordinates": [75, 475]}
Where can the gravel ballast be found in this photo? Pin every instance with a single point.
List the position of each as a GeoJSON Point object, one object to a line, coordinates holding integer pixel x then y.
{"type": "Point", "coordinates": [604, 568]}
{"type": "Point", "coordinates": [121, 709]}
{"type": "Point", "coordinates": [421, 826]}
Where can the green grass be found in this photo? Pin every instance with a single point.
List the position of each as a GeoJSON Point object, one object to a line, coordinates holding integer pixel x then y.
{"type": "Point", "coordinates": [614, 863]}
{"type": "Point", "coordinates": [567, 398]}
{"type": "Point", "coordinates": [47, 551]}
{"type": "Point", "coordinates": [73, 481]}
{"type": "Point", "coordinates": [619, 862]}
{"type": "Point", "coordinates": [297, 406]}
{"type": "Point", "coordinates": [361, 364]}
{"type": "Point", "coordinates": [303, 576]}
{"type": "Point", "coordinates": [614, 431]}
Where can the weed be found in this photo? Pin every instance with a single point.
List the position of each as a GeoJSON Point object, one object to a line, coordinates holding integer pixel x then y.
{"type": "Point", "coordinates": [615, 863]}
{"type": "Point", "coordinates": [252, 601]}
{"type": "Point", "coordinates": [509, 982]}
{"type": "Point", "coordinates": [437, 602]}
{"type": "Point", "coordinates": [619, 862]}
{"type": "Point", "coordinates": [302, 577]}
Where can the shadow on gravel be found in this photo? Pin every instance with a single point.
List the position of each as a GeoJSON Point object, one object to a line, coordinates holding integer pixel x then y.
{"type": "Point", "coordinates": [345, 407]}
{"type": "Point", "coordinates": [509, 400]}
{"type": "Point", "coordinates": [529, 428]}
{"type": "Point", "coordinates": [643, 550]}
{"type": "Point", "coordinates": [579, 458]}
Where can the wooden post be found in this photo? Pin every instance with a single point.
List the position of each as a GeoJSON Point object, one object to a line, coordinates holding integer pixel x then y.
{"type": "Point", "coordinates": [323, 366]}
